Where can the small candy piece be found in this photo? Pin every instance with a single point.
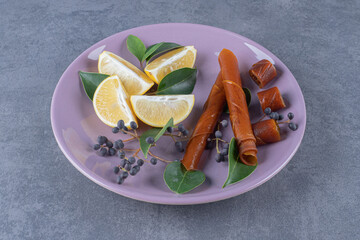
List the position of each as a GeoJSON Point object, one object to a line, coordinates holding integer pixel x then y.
{"type": "Point", "coordinates": [116, 169]}
{"type": "Point", "coordinates": [267, 111]}
{"type": "Point", "coordinates": [153, 161]}
{"type": "Point", "coordinates": [150, 140]}
{"type": "Point", "coordinates": [224, 123]}
{"type": "Point", "coordinates": [133, 125]}
{"type": "Point", "coordinates": [293, 126]}
{"type": "Point", "coordinates": [115, 130]}
{"type": "Point", "coordinates": [272, 99]}
{"type": "Point", "coordinates": [290, 115]}
{"type": "Point", "coordinates": [103, 151]}
{"type": "Point", "coordinates": [262, 72]}
{"type": "Point", "coordinates": [96, 146]}
{"type": "Point", "coordinates": [101, 140]}
{"type": "Point", "coordinates": [218, 134]}
{"type": "Point", "coordinates": [266, 131]}
{"type": "Point", "coordinates": [121, 124]}
{"type": "Point", "coordinates": [140, 162]}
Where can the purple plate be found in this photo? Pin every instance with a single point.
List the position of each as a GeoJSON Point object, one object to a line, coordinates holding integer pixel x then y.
{"type": "Point", "coordinates": [76, 125]}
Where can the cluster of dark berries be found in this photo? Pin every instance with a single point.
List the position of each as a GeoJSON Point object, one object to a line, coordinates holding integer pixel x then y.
{"type": "Point", "coordinates": [184, 132]}
{"type": "Point", "coordinates": [278, 117]}
{"type": "Point", "coordinates": [121, 127]}
{"type": "Point", "coordinates": [106, 147]}
{"type": "Point", "coordinates": [222, 153]}
{"type": "Point", "coordinates": [127, 167]}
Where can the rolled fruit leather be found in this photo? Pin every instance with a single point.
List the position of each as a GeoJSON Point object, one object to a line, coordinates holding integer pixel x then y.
{"type": "Point", "coordinates": [212, 109]}
{"type": "Point", "coordinates": [266, 131]}
{"type": "Point", "coordinates": [271, 98]}
{"type": "Point", "coordinates": [239, 114]}
{"type": "Point", "coordinates": [262, 72]}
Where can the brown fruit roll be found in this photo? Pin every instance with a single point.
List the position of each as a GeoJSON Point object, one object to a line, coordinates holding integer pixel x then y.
{"type": "Point", "coordinates": [271, 98]}
{"type": "Point", "coordinates": [262, 72]}
{"type": "Point", "coordinates": [266, 131]}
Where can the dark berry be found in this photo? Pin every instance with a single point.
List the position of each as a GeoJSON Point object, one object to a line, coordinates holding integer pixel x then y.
{"type": "Point", "coordinates": [115, 130]}
{"type": "Point", "coordinates": [111, 151]}
{"type": "Point", "coordinates": [267, 111]}
{"type": "Point", "coordinates": [119, 144]}
{"type": "Point", "coordinates": [133, 172]}
{"type": "Point", "coordinates": [218, 134]}
{"type": "Point", "coordinates": [121, 154]}
{"type": "Point", "coordinates": [119, 180]}
{"type": "Point", "coordinates": [153, 161]}
{"type": "Point", "coordinates": [103, 151]}
{"type": "Point", "coordinates": [137, 168]}
{"type": "Point", "coordinates": [133, 125]}
{"type": "Point", "coordinates": [131, 160]}
{"type": "Point", "coordinates": [224, 152]}
{"type": "Point", "coordinates": [293, 126]}
{"type": "Point", "coordinates": [96, 146]}
{"type": "Point", "coordinates": [124, 175]}
{"type": "Point", "coordinates": [274, 115]}
{"type": "Point", "coordinates": [121, 124]}
{"type": "Point", "coordinates": [219, 158]}
{"type": "Point", "coordinates": [116, 169]}
{"type": "Point", "coordinates": [125, 128]}
{"type": "Point", "coordinates": [185, 132]}
{"type": "Point", "coordinates": [140, 162]}
{"type": "Point", "coordinates": [109, 144]}
{"type": "Point", "coordinates": [179, 146]}
{"type": "Point", "coordinates": [101, 140]}
{"type": "Point", "coordinates": [123, 163]}
{"type": "Point", "coordinates": [290, 115]}
{"type": "Point", "coordinates": [281, 117]}
{"type": "Point", "coordinates": [226, 146]}
{"type": "Point", "coordinates": [181, 127]}
{"type": "Point", "coordinates": [169, 129]}
{"type": "Point", "coordinates": [224, 123]}
{"type": "Point", "coordinates": [127, 166]}
{"type": "Point", "coordinates": [209, 144]}
{"type": "Point", "coordinates": [150, 140]}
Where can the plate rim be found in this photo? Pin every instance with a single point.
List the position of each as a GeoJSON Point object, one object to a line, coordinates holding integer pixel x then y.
{"type": "Point", "coordinates": [152, 199]}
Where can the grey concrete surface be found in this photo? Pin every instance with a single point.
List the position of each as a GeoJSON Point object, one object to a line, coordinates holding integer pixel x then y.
{"type": "Point", "coordinates": [316, 196]}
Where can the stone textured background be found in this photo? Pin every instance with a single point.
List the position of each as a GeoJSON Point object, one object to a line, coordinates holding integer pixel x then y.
{"type": "Point", "coordinates": [316, 196]}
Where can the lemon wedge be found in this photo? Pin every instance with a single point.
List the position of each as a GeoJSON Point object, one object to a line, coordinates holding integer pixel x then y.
{"type": "Point", "coordinates": [157, 110]}
{"type": "Point", "coordinates": [173, 60]}
{"type": "Point", "coordinates": [112, 103]}
{"type": "Point", "coordinates": [135, 81]}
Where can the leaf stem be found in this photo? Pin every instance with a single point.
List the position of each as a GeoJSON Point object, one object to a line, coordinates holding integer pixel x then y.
{"type": "Point", "coordinates": [161, 159]}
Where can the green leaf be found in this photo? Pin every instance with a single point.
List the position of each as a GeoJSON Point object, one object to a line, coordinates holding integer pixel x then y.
{"type": "Point", "coordinates": [136, 47]}
{"type": "Point", "coordinates": [156, 133]}
{"type": "Point", "coordinates": [91, 81]}
{"type": "Point", "coordinates": [237, 170]}
{"type": "Point", "coordinates": [158, 48]}
{"type": "Point", "coordinates": [247, 96]}
{"type": "Point", "coordinates": [179, 180]}
{"type": "Point", "coordinates": [180, 81]}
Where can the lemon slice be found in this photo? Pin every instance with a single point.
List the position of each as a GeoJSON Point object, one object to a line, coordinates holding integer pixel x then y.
{"type": "Point", "coordinates": [111, 102]}
{"type": "Point", "coordinates": [175, 59]}
{"type": "Point", "coordinates": [134, 80]}
{"type": "Point", "coordinates": [157, 110]}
